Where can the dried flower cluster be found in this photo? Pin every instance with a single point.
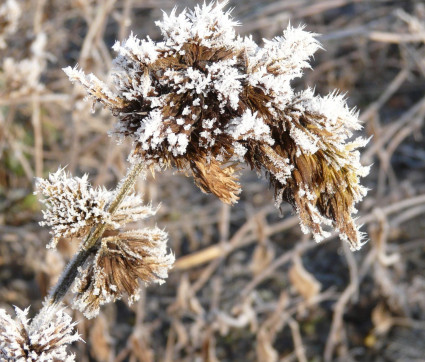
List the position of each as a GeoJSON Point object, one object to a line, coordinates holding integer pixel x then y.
{"type": "Point", "coordinates": [10, 12]}
{"type": "Point", "coordinates": [22, 77]}
{"type": "Point", "coordinates": [115, 270]}
{"type": "Point", "coordinates": [204, 100]}
{"type": "Point", "coordinates": [45, 338]}
{"type": "Point", "coordinates": [115, 266]}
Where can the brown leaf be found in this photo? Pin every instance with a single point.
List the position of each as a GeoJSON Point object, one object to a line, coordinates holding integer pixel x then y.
{"type": "Point", "coordinates": [263, 255]}
{"type": "Point", "coordinates": [210, 177]}
{"type": "Point", "coordinates": [381, 319]}
{"type": "Point", "coordinates": [100, 340]}
{"type": "Point", "coordinates": [303, 281]}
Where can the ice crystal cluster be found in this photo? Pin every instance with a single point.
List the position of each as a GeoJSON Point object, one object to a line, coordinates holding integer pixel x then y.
{"type": "Point", "coordinates": [43, 339]}
{"type": "Point", "coordinates": [73, 206]}
{"type": "Point", "coordinates": [205, 99]}
{"type": "Point", "coordinates": [122, 258]}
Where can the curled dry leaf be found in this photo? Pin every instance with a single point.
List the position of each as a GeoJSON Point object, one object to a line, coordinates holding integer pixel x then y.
{"type": "Point", "coordinates": [100, 340]}
{"type": "Point", "coordinates": [303, 281]}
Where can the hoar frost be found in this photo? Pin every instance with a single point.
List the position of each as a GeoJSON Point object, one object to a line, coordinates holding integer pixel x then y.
{"type": "Point", "coordinates": [43, 339]}
{"type": "Point", "coordinates": [115, 265]}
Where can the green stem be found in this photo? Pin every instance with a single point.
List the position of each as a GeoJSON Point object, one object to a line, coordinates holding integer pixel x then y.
{"type": "Point", "coordinates": [88, 245]}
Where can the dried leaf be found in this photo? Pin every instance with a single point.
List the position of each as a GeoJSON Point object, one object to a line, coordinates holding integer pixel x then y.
{"type": "Point", "coordinates": [100, 340]}
{"type": "Point", "coordinates": [382, 319]}
{"type": "Point", "coordinates": [303, 281]}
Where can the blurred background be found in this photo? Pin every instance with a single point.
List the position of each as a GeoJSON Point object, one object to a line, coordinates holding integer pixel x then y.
{"type": "Point", "coordinates": [247, 284]}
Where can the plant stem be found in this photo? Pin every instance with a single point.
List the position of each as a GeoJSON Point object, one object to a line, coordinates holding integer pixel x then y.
{"type": "Point", "coordinates": [88, 245]}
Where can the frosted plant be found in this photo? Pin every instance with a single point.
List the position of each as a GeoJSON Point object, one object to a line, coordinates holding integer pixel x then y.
{"type": "Point", "coordinates": [114, 265]}
{"type": "Point", "coordinates": [10, 12]}
{"type": "Point", "coordinates": [115, 270]}
{"type": "Point", "coordinates": [45, 338]}
{"type": "Point", "coordinates": [22, 77]}
{"type": "Point", "coordinates": [205, 99]}
{"type": "Point", "coordinates": [73, 207]}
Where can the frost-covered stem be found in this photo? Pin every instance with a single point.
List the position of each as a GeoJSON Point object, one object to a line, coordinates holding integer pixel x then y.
{"type": "Point", "coordinates": [68, 276]}
{"type": "Point", "coordinates": [70, 272]}
{"type": "Point", "coordinates": [125, 186]}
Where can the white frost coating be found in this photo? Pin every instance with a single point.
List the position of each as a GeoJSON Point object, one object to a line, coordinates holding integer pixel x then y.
{"type": "Point", "coordinates": [207, 23]}
{"type": "Point", "coordinates": [250, 126]}
{"type": "Point", "coordinates": [71, 204]}
{"type": "Point", "coordinates": [290, 53]}
{"type": "Point", "coordinates": [339, 117]}
{"type": "Point", "coordinates": [189, 79]}
{"type": "Point", "coordinates": [280, 61]}
{"type": "Point", "coordinates": [282, 165]}
{"type": "Point", "coordinates": [240, 150]}
{"type": "Point", "coordinates": [143, 50]}
{"type": "Point", "coordinates": [93, 85]}
{"type": "Point", "coordinates": [44, 339]}
{"type": "Point", "coordinates": [150, 133]}
{"type": "Point", "coordinates": [208, 123]}
{"type": "Point", "coordinates": [174, 28]}
{"type": "Point", "coordinates": [186, 111]}
{"type": "Point", "coordinates": [226, 81]}
{"type": "Point", "coordinates": [305, 141]}
{"type": "Point", "coordinates": [182, 142]}
{"type": "Point", "coordinates": [177, 143]}
{"type": "Point", "coordinates": [73, 207]}
{"type": "Point", "coordinates": [305, 192]}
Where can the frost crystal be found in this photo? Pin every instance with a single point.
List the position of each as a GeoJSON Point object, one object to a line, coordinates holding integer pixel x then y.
{"type": "Point", "coordinates": [44, 339]}
{"type": "Point", "coordinates": [204, 97]}
{"type": "Point", "coordinates": [73, 207]}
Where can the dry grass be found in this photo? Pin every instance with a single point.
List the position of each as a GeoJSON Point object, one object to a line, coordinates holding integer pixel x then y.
{"type": "Point", "coordinates": [247, 284]}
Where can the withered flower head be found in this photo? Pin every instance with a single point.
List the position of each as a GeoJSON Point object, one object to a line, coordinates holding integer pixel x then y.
{"type": "Point", "coordinates": [45, 338]}
{"type": "Point", "coordinates": [204, 100]}
{"type": "Point", "coordinates": [73, 207]}
{"type": "Point", "coordinates": [120, 262]}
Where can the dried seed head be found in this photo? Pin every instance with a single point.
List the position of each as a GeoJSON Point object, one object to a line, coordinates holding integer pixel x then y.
{"type": "Point", "coordinates": [22, 77]}
{"type": "Point", "coordinates": [45, 338]}
{"type": "Point", "coordinates": [115, 269]}
{"type": "Point", "coordinates": [205, 98]}
{"type": "Point", "coordinates": [73, 207]}
{"type": "Point", "coordinates": [10, 12]}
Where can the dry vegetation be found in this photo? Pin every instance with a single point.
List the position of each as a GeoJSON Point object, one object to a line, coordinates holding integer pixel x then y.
{"type": "Point", "coordinates": [247, 284]}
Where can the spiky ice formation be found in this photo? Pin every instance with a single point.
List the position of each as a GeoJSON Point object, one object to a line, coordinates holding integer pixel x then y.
{"type": "Point", "coordinates": [119, 260]}
{"type": "Point", "coordinates": [205, 99]}
{"type": "Point", "coordinates": [73, 206]}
